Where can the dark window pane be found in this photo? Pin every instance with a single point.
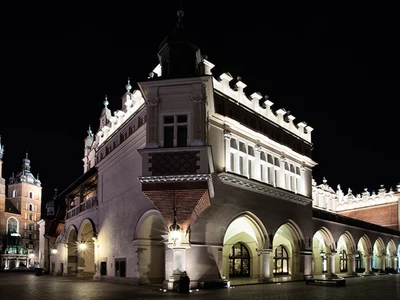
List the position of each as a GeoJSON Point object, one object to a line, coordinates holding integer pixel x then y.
{"type": "Point", "coordinates": [168, 119]}
{"type": "Point", "coordinates": [182, 136]}
{"type": "Point", "coordinates": [238, 267]}
{"type": "Point", "coordinates": [244, 252]}
{"type": "Point", "coordinates": [168, 137]}
{"type": "Point", "coordinates": [182, 119]}
{"type": "Point", "coordinates": [238, 249]}
{"type": "Point", "coordinates": [246, 267]}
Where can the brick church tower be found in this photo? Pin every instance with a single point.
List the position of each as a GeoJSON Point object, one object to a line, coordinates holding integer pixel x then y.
{"type": "Point", "coordinates": [20, 209]}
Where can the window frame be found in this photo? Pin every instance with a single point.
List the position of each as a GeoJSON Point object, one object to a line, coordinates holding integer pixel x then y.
{"type": "Point", "coordinates": [175, 129]}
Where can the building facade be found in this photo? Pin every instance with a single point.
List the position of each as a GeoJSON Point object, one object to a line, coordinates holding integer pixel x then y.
{"type": "Point", "coordinates": [20, 211]}
{"type": "Point", "coordinates": [192, 177]}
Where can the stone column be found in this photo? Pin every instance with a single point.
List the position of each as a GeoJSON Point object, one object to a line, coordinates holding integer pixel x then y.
{"type": "Point", "coordinates": [96, 258]}
{"type": "Point", "coordinates": [351, 264]}
{"type": "Point", "coordinates": [152, 122]}
{"type": "Point", "coordinates": [394, 261]}
{"type": "Point", "coordinates": [227, 138]}
{"type": "Point", "coordinates": [368, 264]}
{"type": "Point", "coordinates": [257, 165]}
{"type": "Point", "coordinates": [178, 243]}
{"type": "Point", "coordinates": [306, 262]}
{"type": "Point", "coordinates": [330, 265]}
{"type": "Point", "coordinates": [198, 99]}
{"type": "Point", "coordinates": [281, 176]}
{"type": "Point", "coordinates": [265, 255]}
{"type": "Point", "coordinates": [301, 188]}
{"type": "Point", "coordinates": [382, 263]}
{"type": "Point", "coordinates": [65, 259]}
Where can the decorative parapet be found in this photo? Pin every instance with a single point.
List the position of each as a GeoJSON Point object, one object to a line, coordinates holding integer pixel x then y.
{"type": "Point", "coordinates": [260, 105]}
{"type": "Point", "coordinates": [324, 197]}
{"type": "Point", "coordinates": [134, 101]}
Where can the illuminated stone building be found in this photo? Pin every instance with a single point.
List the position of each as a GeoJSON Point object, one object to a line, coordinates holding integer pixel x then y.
{"type": "Point", "coordinates": [194, 177]}
{"type": "Point", "coordinates": [20, 209]}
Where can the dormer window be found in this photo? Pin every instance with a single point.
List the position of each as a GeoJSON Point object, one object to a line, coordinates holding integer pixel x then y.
{"type": "Point", "coordinates": [175, 131]}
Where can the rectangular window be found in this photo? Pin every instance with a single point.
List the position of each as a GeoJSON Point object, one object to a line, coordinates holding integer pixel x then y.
{"type": "Point", "coordinates": [103, 268]}
{"type": "Point", "coordinates": [120, 267]}
{"type": "Point", "coordinates": [249, 168]}
{"type": "Point", "coordinates": [175, 131]}
{"type": "Point", "coordinates": [168, 137]}
{"type": "Point", "coordinates": [241, 165]}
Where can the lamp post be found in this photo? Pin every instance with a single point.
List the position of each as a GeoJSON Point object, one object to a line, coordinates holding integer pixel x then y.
{"type": "Point", "coordinates": [178, 242]}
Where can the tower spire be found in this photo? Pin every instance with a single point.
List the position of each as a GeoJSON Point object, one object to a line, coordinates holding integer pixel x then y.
{"type": "Point", "coordinates": [180, 14]}
{"type": "Point", "coordinates": [1, 149]}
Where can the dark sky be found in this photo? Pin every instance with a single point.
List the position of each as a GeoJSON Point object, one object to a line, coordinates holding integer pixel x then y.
{"type": "Point", "coordinates": [336, 68]}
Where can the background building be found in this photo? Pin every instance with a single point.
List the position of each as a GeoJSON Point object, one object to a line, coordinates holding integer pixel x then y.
{"type": "Point", "coordinates": [20, 210]}
{"type": "Point", "coordinates": [194, 177]}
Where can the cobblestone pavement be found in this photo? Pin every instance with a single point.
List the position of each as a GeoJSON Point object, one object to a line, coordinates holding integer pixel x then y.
{"type": "Point", "coordinates": [27, 286]}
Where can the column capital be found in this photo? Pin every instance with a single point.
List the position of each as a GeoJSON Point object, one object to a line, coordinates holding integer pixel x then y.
{"type": "Point", "coordinates": [332, 253]}
{"type": "Point", "coordinates": [263, 251]}
{"type": "Point", "coordinates": [227, 135]}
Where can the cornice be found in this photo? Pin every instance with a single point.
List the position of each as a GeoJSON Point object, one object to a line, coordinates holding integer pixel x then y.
{"type": "Point", "coordinates": [180, 178]}
{"type": "Point", "coordinates": [263, 188]}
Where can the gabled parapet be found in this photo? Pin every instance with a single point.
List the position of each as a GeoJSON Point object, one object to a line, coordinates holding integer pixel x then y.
{"type": "Point", "coordinates": [324, 197]}
{"type": "Point", "coordinates": [259, 104]}
{"type": "Point", "coordinates": [133, 101]}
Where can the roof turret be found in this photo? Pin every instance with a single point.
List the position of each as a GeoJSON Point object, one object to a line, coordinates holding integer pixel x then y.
{"type": "Point", "coordinates": [178, 56]}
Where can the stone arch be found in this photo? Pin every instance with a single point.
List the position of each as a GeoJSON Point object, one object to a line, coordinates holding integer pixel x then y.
{"type": "Point", "coordinates": [290, 236]}
{"type": "Point", "coordinates": [379, 255]}
{"type": "Point", "coordinates": [247, 229]}
{"type": "Point", "coordinates": [346, 241]}
{"type": "Point", "coordinates": [150, 225]}
{"type": "Point", "coordinates": [347, 251]}
{"type": "Point", "coordinates": [391, 256]}
{"type": "Point", "coordinates": [71, 239]}
{"type": "Point", "coordinates": [364, 251]}
{"type": "Point", "coordinates": [149, 236]}
{"type": "Point", "coordinates": [323, 246]}
{"type": "Point", "coordinates": [86, 243]}
{"type": "Point", "coordinates": [364, 245]}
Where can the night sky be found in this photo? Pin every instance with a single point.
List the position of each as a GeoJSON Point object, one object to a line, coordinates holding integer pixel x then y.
{"type": "Point", "coordinates": [335, 68]}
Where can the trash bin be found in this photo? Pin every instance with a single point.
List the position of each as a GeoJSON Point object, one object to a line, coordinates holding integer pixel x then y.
{"type": "Point", "coordinates": [38, 271]}
{"type": "Point", "coordinates": [184, 284]}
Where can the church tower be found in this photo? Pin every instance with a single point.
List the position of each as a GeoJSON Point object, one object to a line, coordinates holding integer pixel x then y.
{"type": "Point", "coordinates": [2, 191]}
{"type": "Point", "coordinates": [20, 212]}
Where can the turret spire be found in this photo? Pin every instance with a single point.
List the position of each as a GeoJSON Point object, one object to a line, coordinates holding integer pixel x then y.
{"type": "Point", "coordinates": [26, 166]}
{"type": "Point", "coordinates": [89, 132]}
{"type": "Point", "coordinates": [179, 57]}
{"type": "Point", "coordinates": [105, 101]}
{"type": "Point", "coordinates": [180, 14]}
{"type": "Point", "coordinates": [128, 86]}
{"type": "Point", "coordinates": [1, 149]}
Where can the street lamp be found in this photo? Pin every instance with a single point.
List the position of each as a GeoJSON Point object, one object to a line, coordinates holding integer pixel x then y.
{"type": "Point", "coordinates": [174, 230]}
{"type": "Point", "coordinates": [82, 245]}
